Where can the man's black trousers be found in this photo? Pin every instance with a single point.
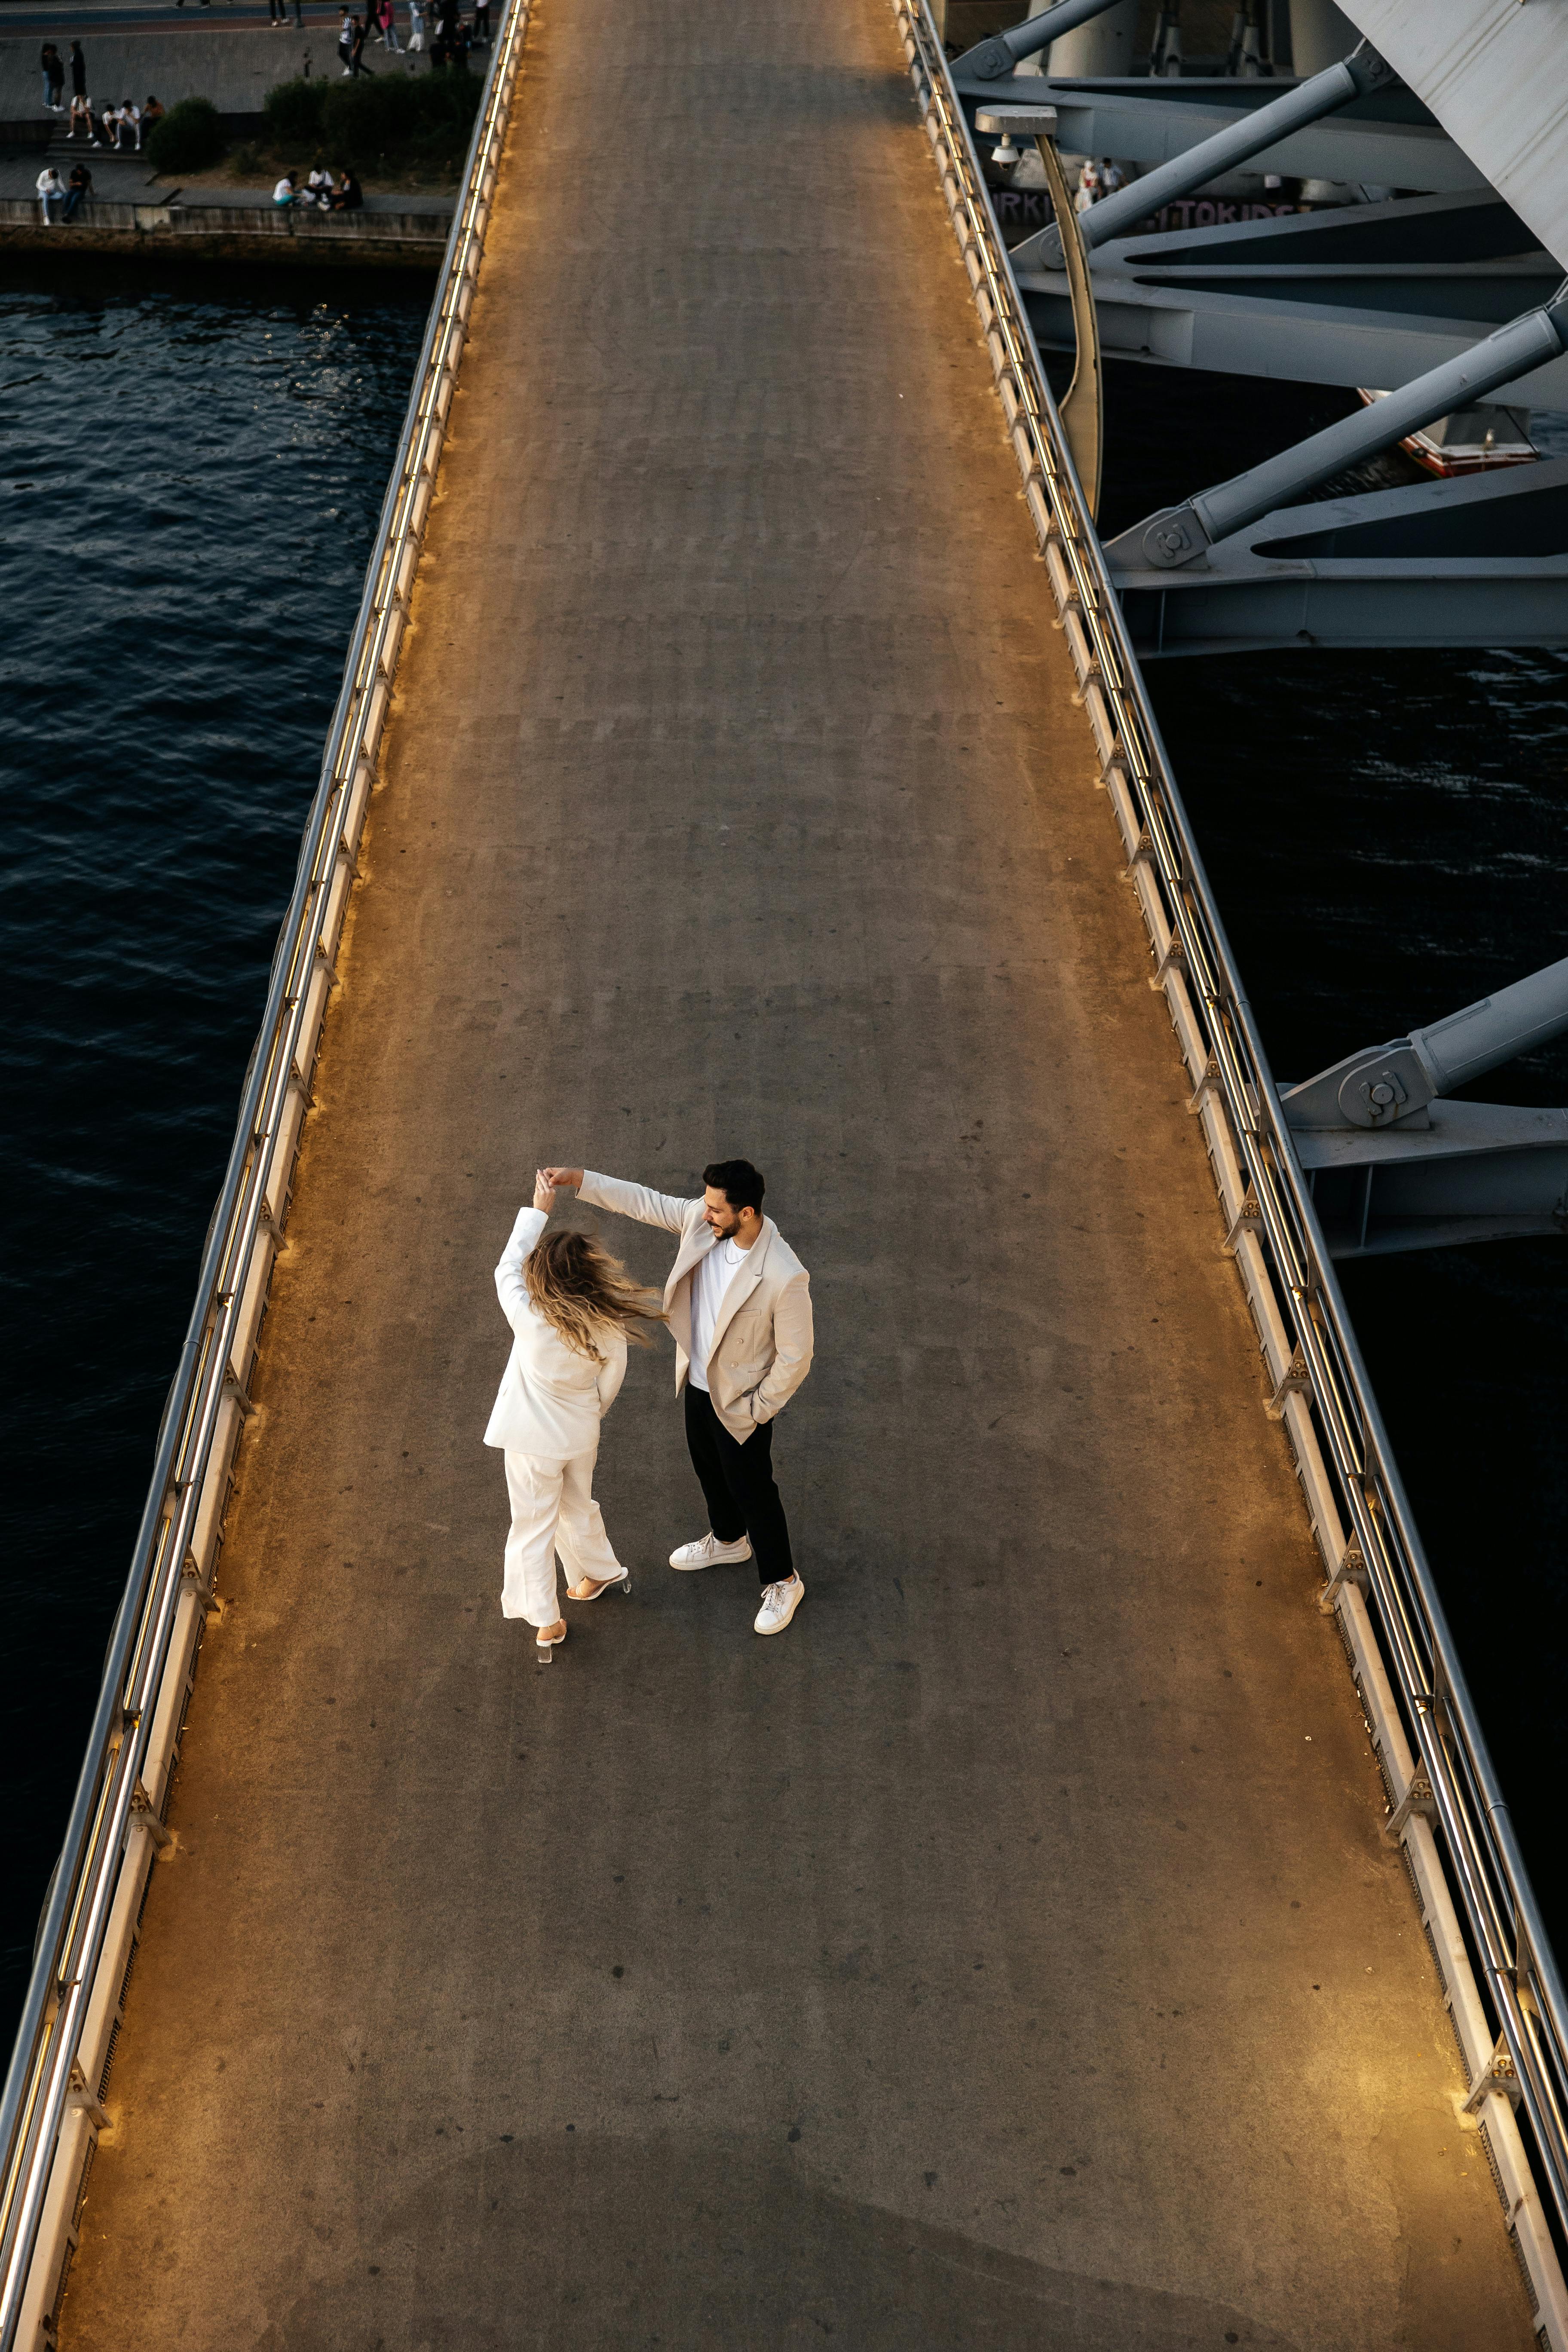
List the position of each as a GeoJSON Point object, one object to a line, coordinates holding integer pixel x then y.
{"type": "Point", "coordinates": [738, 1486]}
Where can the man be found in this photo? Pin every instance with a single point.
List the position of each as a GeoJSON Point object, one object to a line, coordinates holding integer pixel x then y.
{"type": "Point", "coordinates": [54, 72]}
{"type": "Point", "coordinates": [79, 70]}
{"type": "Point", "coordinates": [51, 190]}
{"type": "Point", "coordinates": [80, 190]}
{"type": "Point", "coordinates": [738, 1303]}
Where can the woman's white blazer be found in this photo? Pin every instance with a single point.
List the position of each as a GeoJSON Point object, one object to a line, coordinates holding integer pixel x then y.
{"type": "Point", "coordinates": [552, 1399]}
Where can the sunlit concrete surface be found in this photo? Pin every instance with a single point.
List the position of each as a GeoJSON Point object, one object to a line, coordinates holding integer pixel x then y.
{"type": "Point", "coordinates": [1006, 1955]}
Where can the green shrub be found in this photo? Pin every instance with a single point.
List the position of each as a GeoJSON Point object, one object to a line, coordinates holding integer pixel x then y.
{"type": "Point", "coordinates": [188, 139]}
{"type": "Point", "coordinates": [401, 118]}
{"type": "Point", "coordinates": [293, 113]}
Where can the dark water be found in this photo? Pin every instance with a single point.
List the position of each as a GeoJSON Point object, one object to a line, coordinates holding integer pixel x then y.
{"type": "Point", "coordinates": [1387, 835]}
{"type": "Point", "coordinates": [191, 470]}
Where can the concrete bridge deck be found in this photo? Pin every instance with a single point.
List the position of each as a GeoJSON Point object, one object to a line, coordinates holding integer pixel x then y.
{"type": "Point", "coordinates": [1006, 1955]}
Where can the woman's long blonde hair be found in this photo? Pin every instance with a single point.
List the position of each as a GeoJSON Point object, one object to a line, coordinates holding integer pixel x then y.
{"type": "Point", "coordinates": [578, 1287]}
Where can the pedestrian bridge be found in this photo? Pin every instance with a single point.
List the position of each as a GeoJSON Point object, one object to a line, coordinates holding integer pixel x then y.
{"type": "Point", "coordinates": [1012, 1953]}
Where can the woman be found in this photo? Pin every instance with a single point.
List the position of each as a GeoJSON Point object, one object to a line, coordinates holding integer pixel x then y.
{"type": "Point", "coordinates": [571, 1311]}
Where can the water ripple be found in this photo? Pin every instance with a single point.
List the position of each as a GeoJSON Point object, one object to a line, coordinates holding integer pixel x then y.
{"type": "Point", "coordinates": [189, 482]}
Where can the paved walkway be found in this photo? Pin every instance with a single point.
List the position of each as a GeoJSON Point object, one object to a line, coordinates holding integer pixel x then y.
{"type": "Point", "coordinates": [233, 63]}
{"type": "Point", "coordinates": [1005, 1956]}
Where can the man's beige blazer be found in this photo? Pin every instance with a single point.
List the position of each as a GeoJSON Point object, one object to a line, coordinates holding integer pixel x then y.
{"type": "Point", "coordinates": [762, 1339]}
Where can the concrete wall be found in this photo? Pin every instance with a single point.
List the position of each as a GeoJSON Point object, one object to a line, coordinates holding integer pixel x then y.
{"type": "Point", "coordinates": [235, 233]}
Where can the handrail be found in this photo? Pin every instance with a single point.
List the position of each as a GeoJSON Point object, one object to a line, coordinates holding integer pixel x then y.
{"type": "Point", "coordinates": [180, 1523]}
{"type": "Point", "coordinates": [1333, 1417]}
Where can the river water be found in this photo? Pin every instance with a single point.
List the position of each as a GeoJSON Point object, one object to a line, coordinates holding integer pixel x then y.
{"type": "Point", "coordinates": [191, 471]}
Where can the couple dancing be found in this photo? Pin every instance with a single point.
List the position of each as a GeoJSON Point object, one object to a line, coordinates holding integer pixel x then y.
{"type": "Point", "coordinates": [738, 1301]}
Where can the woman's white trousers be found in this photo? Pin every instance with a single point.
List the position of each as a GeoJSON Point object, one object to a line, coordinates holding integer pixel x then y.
{"type": "Point", "coordinates": [553, 1510]}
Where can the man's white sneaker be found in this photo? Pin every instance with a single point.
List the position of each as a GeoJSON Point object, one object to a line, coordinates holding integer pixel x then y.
{"type": "Point", "coordinates": [780, 1602]}
{"type": "Point", "coordinates": [709, 1552]}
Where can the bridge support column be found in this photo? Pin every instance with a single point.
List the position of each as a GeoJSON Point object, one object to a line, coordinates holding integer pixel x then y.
{"type": "Point", "coordinates": [1103, 45]}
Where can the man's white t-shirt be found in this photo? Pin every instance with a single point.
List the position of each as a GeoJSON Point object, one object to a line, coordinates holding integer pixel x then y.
{"type": "Point", "coordinates": [710, 1278]}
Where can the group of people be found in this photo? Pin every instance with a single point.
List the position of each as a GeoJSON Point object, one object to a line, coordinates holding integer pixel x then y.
{"type": "Point", "coordinates": [451, 41]}
{"type": "Point", "coordinates": [69, 198]}
{"type": "Point", "coordinates": [1096, 180]}
{"type": "Point", "coordinates": [320, 191]}
{"type": "Point", "coordinates": [738, 1304]}
{"type": "Point", "coordinates": [121, 127]}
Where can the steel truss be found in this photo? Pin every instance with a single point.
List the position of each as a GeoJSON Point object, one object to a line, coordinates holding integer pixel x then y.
{"type": "Point", "coordinates": [1446, 1810]}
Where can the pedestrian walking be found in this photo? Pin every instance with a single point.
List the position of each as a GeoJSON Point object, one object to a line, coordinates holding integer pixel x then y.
{"type": "Point", "coordinates": [571, 1310]}
{"type": "Point", "coordinates": [415, 27]}
{"type": "Point", "coordinates": [79, 71]}
{"type": "Point", "coordinates": [346, 43]}
{"type": "Point", "coordinates": [276, 15]}
{"type": "Point", "coordinates": [482, 24]}
{"type": "Point", "coordinates": [389, 28]}
{"type": "Point", "coordinates": [54, 74]}
{"type": "Point", "coordinates": [739, 1302]}
{"type": "Point", "coordinates": [357, 49]}
{"type": "Point", "coordinates": [51, 191]}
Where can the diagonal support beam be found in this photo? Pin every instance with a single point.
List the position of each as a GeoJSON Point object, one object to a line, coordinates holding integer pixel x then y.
{"type": "Point", "coordinates": [1005, 52]}
{"type": "Point", "coordinates": [1355, 76]}
{"type": "Point", "coordinates": [1382, 1084]}
{"type": "Point", "coordinates": [1181, 534]}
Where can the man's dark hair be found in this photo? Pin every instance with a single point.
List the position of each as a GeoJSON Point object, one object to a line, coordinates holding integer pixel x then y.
{"type": "Point", "coordinates": [739, 1182]}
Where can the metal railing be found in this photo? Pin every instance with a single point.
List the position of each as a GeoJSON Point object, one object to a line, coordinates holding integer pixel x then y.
{"type": "Point", "coordinates": [88, 1924]}
{"type": "Point", "coordinates": [1445, 1805]}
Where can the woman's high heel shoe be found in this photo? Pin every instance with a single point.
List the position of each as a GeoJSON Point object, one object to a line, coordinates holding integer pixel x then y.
{"type": "Point", "coordinates": [622, 1583]}
{"type": "Point", "coordinates": [546, 1645]}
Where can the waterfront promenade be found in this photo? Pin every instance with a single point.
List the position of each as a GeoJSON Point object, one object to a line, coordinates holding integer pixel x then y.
{"type": "Point", "coordinates": [1006, 1955]}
